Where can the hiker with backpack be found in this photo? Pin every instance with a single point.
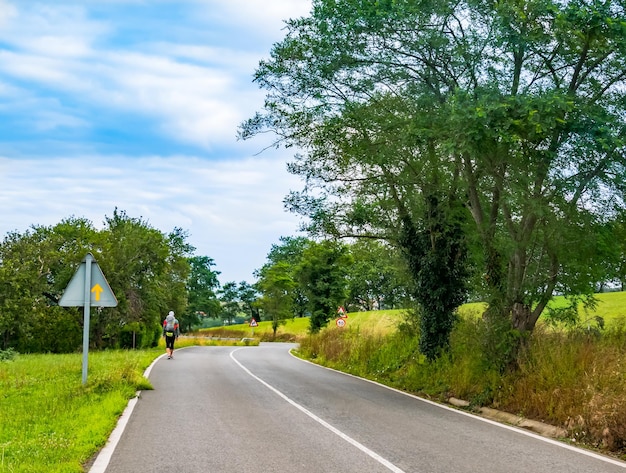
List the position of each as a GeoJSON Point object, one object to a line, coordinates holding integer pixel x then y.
{"type": "Point", "coordinates": [170, 333]}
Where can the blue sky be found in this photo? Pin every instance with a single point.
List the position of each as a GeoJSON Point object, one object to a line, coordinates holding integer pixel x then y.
{"type": "Point", "coordinates": [135, 104]}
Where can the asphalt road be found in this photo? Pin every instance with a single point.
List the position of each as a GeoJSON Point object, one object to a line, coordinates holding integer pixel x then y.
{"type": "Point", "coordinates": [259, 409]}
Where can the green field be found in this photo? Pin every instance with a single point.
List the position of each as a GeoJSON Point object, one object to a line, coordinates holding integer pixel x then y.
{"type": "Point", "coordinates": [382, 320]}
{"type": "Point", "coordinates": [611, 307]}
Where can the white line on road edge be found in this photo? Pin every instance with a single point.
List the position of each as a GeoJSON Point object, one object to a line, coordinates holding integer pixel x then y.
{"type": "Point", "coordinates": [564, 445]}
{"type": "Point", "coordinates": [336, 431]}
{"type": "Point", "coordinates": [104, 457]}
{"type": "Point", "coordinates": [102, 461]}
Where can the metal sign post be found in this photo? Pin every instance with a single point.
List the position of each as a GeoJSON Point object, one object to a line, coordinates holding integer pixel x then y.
{"type": "Point", "coordinates": [79, 292]}
{"type": "Point", "coordinates": [86, 315]}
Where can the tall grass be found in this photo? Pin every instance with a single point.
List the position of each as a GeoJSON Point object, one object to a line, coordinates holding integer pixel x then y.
{"type": "Point", "coordinates": [50, 422]}
{"type": "Point", "coordinates": [576, 380]}
{"type": "Point", "coordinates": [369, 354]}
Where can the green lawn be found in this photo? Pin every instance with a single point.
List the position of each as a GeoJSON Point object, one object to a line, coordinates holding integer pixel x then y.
{"type": "Point", "coordinates": [50, 422]}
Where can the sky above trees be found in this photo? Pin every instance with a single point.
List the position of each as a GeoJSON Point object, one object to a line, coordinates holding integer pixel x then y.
{"type": "Point", "coordinates": [136, 105]}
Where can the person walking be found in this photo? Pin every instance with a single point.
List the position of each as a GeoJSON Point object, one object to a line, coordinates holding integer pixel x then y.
{"type": "Point", "coordinates": [171, 331]}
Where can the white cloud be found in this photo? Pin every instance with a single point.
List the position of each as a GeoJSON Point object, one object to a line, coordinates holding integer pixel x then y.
{"type": "Point", "coordinates": [10, 91]}
{"type": "Point", "coordinates": [49, 30]}
{"type": "Point", "coordinates": [193, 102]}
{"type": "Point", "coordinates": [200, 103]}
{"type": "Point", "coordinates": [7, 13]}
{"type": "Point", "coordinates": [266, 16]}
{"type": "Point", "coordinates": [233, 210]}
{"type": "Point", "coordinates": [37, 68]}
{"type": "Point", "coordinates": [51, 120]}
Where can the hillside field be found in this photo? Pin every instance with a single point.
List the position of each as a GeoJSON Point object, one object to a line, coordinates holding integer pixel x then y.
{"type": "Point", "coordinates": [611, 307]}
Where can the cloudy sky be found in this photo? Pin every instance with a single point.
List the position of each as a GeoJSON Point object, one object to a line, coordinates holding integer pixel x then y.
{"type": "Point", "coordinates": [135, 104]}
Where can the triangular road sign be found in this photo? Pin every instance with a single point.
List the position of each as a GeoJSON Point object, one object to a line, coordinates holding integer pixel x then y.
{"type": "Point", "coordinates": [101, 294]}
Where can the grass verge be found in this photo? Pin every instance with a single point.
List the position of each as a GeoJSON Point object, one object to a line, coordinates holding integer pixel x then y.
{"type": "Point", "coordinates": [51, 423]}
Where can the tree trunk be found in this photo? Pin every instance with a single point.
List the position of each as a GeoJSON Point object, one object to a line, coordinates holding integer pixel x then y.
{"type": "Point", "coordinates": [522, 318]}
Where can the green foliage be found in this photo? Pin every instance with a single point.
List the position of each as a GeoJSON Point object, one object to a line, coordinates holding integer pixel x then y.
{"type": "Point", "coordinates": [202, 286]}
{"type": "Point", "coordinates": [616, 239]}
{"type": "Point", "coordinates": [279, 291]}
{"type": "Point", "coordinates": [53, 330]}
{"type": "Point", "coordinates": [34, 269]}
{"type": "Point", "coordinates": [145, 268]}
{"type": "Point", "coordinates": [147, 271]}
{"type": "Point", "coordinates": [501, 343]}
{"type": "Point", "coordinates": [136, 335]}
{"type": "Point", "coordinates": [567, 312]}
{"type": "Point", "coordinates": [8, 354]}
{"type": "Point", "coordinates": [377, 277]}
{"type": "Point", "coordinates": [229, 297]}
{"type": "Point", "coordinates": [282, 263]}
{"type": "Point", "coordinates": [248, 296]}
{"type": "Point", "coordinates": [437, 256]}
{"type": "Point", "coordinates": [322, 276]}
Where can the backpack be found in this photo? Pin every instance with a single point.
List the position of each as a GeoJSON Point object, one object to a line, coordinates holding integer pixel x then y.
{"type": "Point", "coordinates": [170, 327]}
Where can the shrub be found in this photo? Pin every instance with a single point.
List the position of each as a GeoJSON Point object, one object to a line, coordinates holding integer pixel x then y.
{"type": "Point", "coordinates": [8, 354]}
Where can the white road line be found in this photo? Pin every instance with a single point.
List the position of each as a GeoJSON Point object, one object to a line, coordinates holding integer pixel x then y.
{"type": "Point", "coordinates": [350, 440]}
{"type": "Point", "coordinates": [519, 430]}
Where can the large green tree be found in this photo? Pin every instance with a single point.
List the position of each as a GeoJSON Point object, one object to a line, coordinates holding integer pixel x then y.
{"type": "Point", "coordinates": [35, 267]}
{"type": "Point", "coordinates": [202, 287]}
{"type": "Point", "coordinates": [277, 288]}
{"type": "Point", "coordinates": [249, 298]}
{"type": "Point", "coordinates": [322, 275]}
{"type": "Point", "coordinates": [288, 255]}
{"type": "Point", "coordinates": [229, 299]}
{"type": "Point", "coordinates": [147, 271]}
{"type": "Point", "coordinates": [515, 108]}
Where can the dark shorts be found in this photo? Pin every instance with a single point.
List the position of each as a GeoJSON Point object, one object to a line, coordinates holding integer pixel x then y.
{"type": "Point", "coordinates": [169, 341]}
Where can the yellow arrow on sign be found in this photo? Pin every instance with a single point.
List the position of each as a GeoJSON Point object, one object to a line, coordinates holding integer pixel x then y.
{"type": "Point", "coordinates": [98, 290]}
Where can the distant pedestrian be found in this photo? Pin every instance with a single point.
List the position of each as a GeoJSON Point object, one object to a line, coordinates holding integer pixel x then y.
{"type": "Point", "coordinates": [171, 331]}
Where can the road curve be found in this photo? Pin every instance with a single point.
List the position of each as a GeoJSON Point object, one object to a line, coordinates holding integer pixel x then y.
{"type": "Point", "coordinates": [259, 409]}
